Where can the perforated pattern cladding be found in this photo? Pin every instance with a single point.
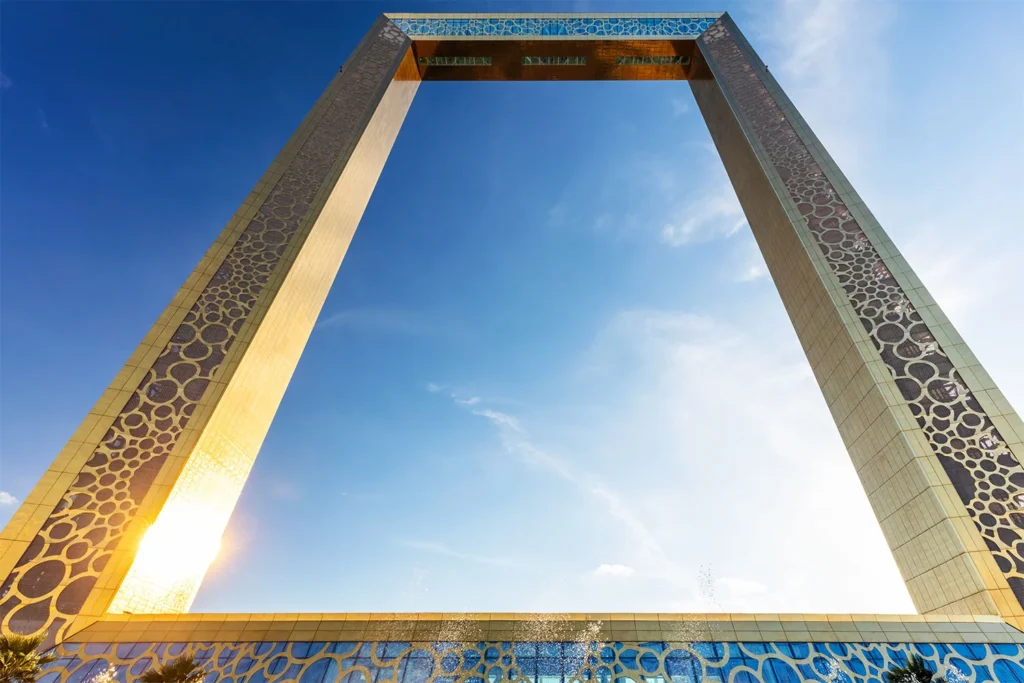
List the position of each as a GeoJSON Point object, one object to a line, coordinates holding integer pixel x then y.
{"type": "Point", "coordinates": [983, 470]}
{"type": "Point", "coordinates": [579, 661]}
{"type": "Point", "coordinates": [54, 576]}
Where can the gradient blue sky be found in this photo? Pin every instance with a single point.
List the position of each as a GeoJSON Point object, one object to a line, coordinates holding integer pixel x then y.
{"type": "Point", "coordinates": [553, 373]}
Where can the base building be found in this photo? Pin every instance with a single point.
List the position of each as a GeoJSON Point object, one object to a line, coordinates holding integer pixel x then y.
{"type": "Point", "coordinates": [163, 455]}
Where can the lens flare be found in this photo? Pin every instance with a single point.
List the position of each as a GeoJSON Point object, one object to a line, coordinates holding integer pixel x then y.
{"type": "Point", "coordinates": [178, 549]}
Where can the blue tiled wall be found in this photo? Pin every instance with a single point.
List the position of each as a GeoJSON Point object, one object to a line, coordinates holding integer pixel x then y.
{"type": "Point", "coordinates": [556, 662]}
{"type": "Point", "coordinates": [525, 27]}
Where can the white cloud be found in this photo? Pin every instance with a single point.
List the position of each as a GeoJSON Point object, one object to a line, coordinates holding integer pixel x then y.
{"type": "Point", "coordinates": [753, 273]}
{"type": "Point", "coordinates": [702, 437]}
{"type": "Point", "coordinates": [897, 150]}
{"type": "Point", "coordinates": [750, 263]}
{"type": "Point", "coordinates": [5, 82]}
{"type": "Point", "coordinates": [652, 195]}
{"type": "Point", "coordinates": [500, 419]}
{"type": "Point", "coordinates": [818, 42]}
{"type": "Point", "coordinates": [723, 446]}
{"type": "Point", "coordinates": [616, 506]}
{"type": "Point", "coordinates": [7, 499]}
{"type": "Point", "coordinates": [700, 210]}
{"type": "Point", "coordinates": [715, 214]}
{"type": "Point", "coordinates": [618, 571]}
{"type": "Point", "coordinates": [712, 429]}
{"type": "Point", "coordinates": [684, 205]}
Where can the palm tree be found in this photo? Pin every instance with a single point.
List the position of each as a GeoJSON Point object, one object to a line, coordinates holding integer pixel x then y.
{"type": "Point", "coordinates": [184, 669]}
{"type": "Point", "coordinates": [916, 670]}
{"type": "Point", "coordinates": [19, 661]}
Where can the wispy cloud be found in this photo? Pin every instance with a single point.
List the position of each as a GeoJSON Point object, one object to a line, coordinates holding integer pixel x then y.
{"type": "Point", "coordinates": [705, 209]}
{"type": "Point", "coordinates": [682, 205]}
{"type": "Point", "coordinates": [712, 407]}
{"type": "Point", "coordinates": [517, 442]}
{"type": "Point", "coordinates": [688, 426]}
{"type": "Point", "coordinates": [680, 106]}
{"type": "Point", "coordinates": [716, 214]}
{"type": "Point", "coordinates": [5, 82]}
{"type": "Point", "coordinates": [651, 195]}
{"type": "Point", "coordinates": [447, 551]}
{"type": "Point", "coordinates": [7, 499]}
{"type": "Point", "coordinates": [617, 507]}
{"type": "Point", "coordinates": [501, 420]}
{"type": "Point", "coordinates": [887, 143]}
{"type": "Point", "coordinates": [817, 41]}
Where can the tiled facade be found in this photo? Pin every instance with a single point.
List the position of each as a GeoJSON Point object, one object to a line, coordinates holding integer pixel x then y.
{"type": "Point", "coordinates": [527, 627]}
{"type": "Point", "coordinates": [552, 26]}
{"type": "Point", "coordinates": [177, 433]}
{"type": "Point", "coordinates": [165, 452]}
{"type": "Point", "coordinates": [535, 648]}
{"type": "Point", "coordinates": [939, 462]}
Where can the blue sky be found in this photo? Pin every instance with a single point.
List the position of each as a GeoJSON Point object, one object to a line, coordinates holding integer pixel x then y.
{"type": "Point", "coordinates": [518, 395]}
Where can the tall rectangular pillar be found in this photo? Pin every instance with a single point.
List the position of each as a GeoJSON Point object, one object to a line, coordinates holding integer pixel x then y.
{"type": "Point", "coordinates": [162, 457]}
{"type": "Point", "coordinates": [935, 443]}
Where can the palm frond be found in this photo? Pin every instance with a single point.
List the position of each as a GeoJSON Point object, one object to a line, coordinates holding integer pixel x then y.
{"type": "Point", "coordinates": [184, 669]}
{"type": "Point", "coordinates": [19, 660]}
{"type": "Point", "coordinates": [916, 670]}
{"type": "Point", "coordinates": [22, 645]}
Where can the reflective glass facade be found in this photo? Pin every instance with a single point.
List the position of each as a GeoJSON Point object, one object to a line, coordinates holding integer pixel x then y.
{"type": "Point", "coordinates": [542, 662]}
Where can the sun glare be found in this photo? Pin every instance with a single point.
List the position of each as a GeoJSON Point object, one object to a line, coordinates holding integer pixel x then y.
{"type": "Point", "coordinates": [180, 546]}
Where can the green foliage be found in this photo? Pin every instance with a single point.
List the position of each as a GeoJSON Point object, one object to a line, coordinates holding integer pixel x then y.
{"type": "Point", "coordinates": [916, 670]}
{"type": "Point", "coordinates": [181, 670]}
{"type": "Point", "coordinates": [19, 661]}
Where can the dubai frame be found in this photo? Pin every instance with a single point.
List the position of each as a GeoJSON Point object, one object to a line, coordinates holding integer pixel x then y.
{"type": "Point", "coordinates": [91, 556]}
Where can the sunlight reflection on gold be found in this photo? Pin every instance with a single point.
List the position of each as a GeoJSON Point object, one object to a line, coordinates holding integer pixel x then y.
{"type": "Point", "coordinates": [177, 550]}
